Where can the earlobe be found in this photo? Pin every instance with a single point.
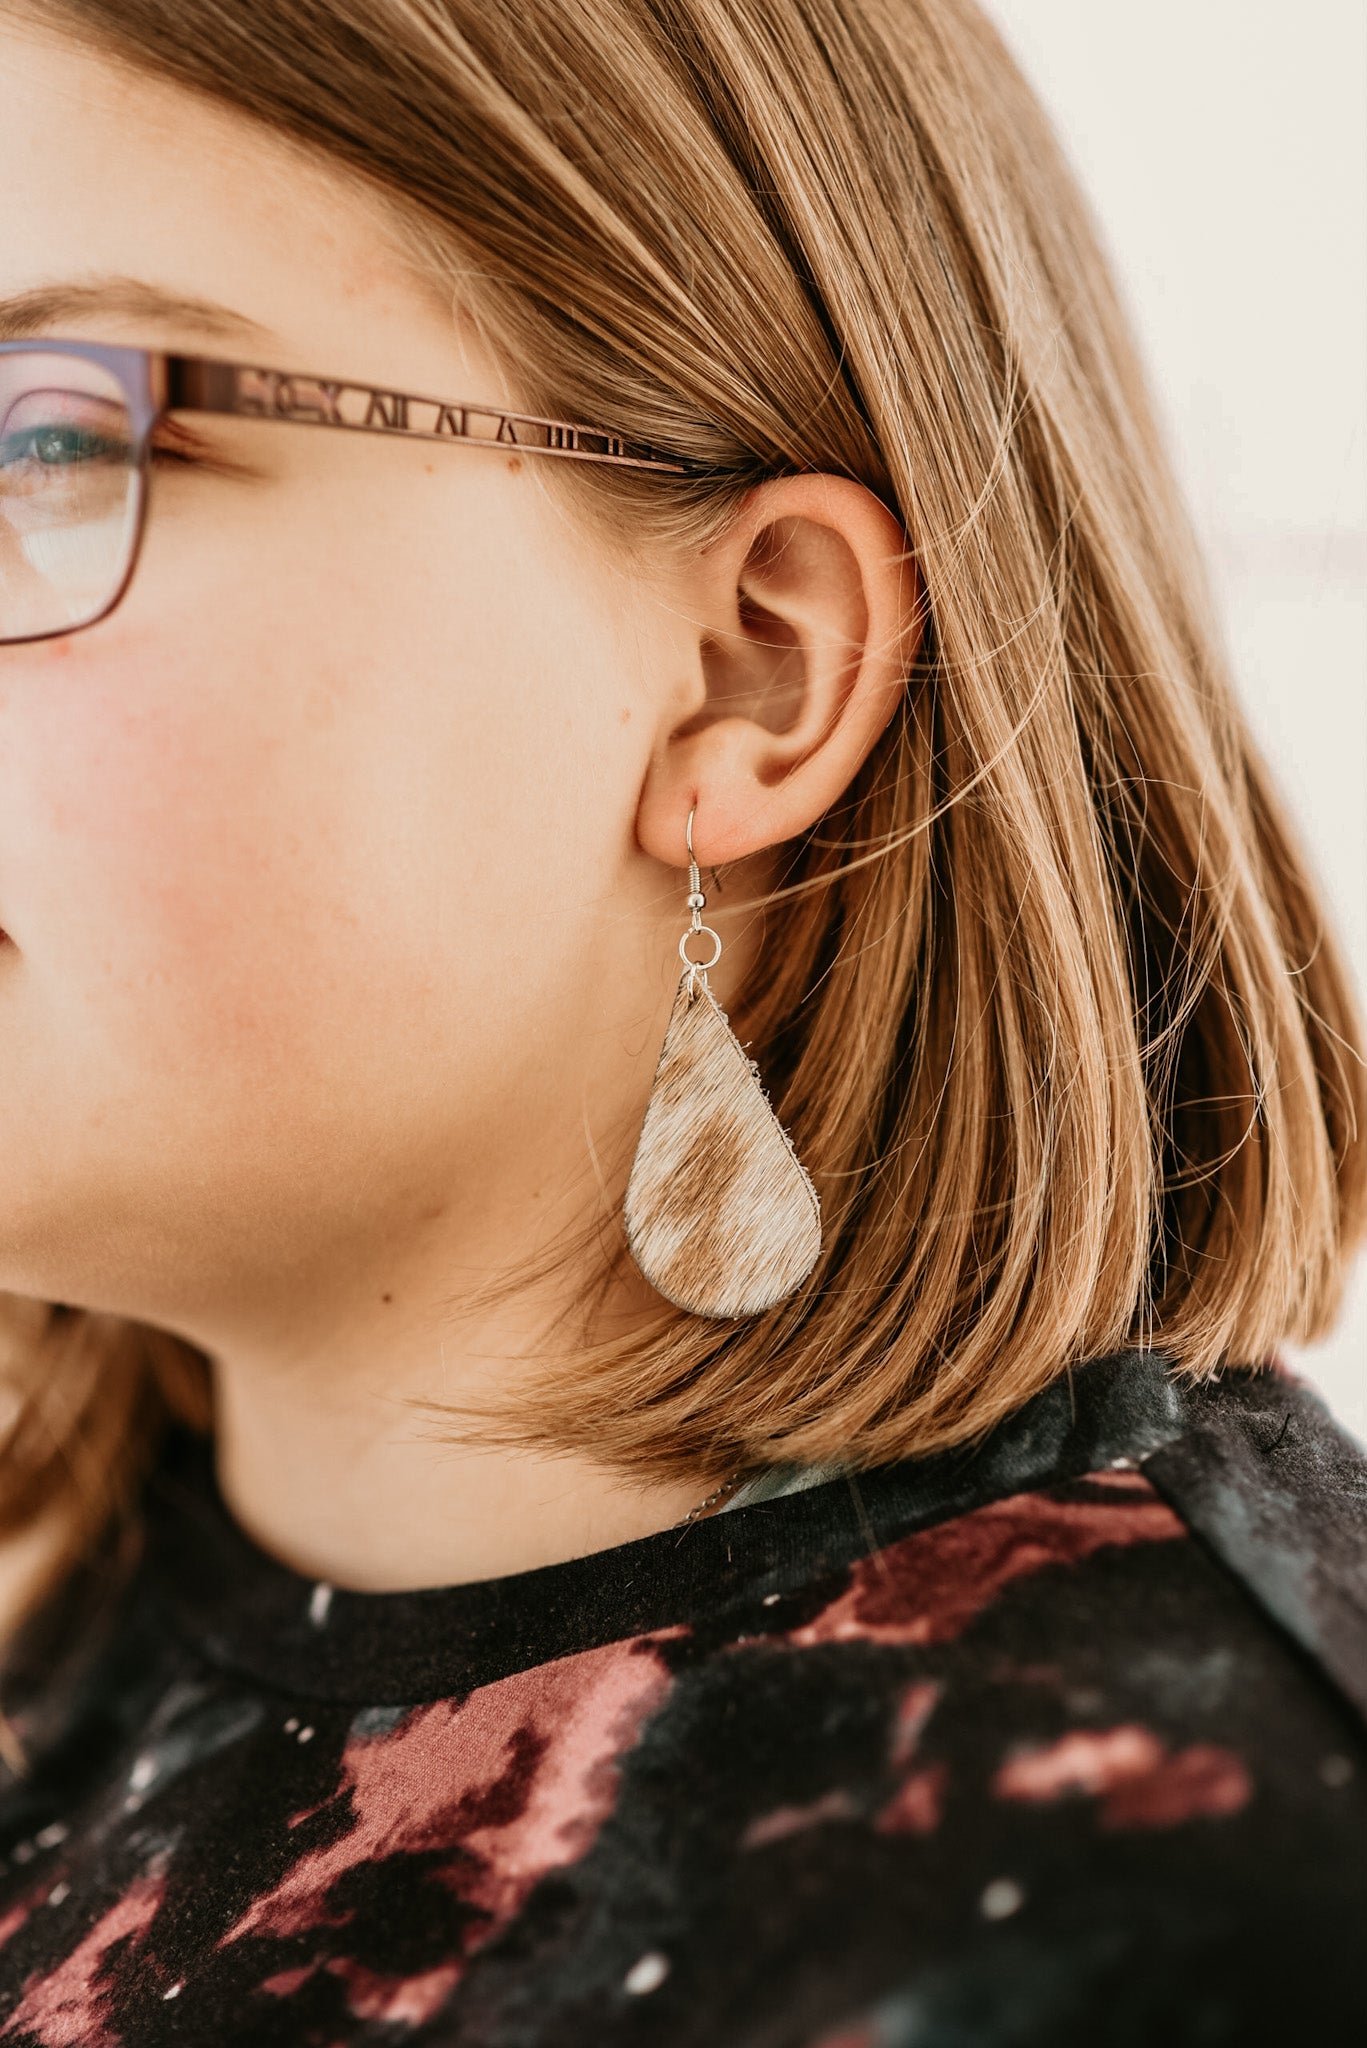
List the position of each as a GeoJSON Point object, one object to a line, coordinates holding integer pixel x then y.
{"type": "Point", "coordinates": [807, 614]}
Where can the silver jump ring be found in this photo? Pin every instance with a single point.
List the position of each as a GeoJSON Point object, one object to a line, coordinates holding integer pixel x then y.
{"type": "Point", "coordinates": [703, 931]}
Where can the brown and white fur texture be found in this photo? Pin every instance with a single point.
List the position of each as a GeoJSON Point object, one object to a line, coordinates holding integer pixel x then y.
{"type": "Point", "coordinates": [721, 1216]}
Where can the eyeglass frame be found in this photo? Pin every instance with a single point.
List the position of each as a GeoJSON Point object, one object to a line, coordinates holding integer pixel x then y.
{"type": "Point", "coordinates": [157, 383]}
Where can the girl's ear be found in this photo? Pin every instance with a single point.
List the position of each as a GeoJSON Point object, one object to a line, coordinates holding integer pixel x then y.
{"type": "Point", "coordinates": [804, 619]}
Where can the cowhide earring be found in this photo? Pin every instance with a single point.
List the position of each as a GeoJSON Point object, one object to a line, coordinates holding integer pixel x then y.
{"type": "Point", "coordinates": [720, 1214]}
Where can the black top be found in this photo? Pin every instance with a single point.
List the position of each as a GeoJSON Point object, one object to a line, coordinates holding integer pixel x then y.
{"type": "Point", "coordinates": [1062, 1740]}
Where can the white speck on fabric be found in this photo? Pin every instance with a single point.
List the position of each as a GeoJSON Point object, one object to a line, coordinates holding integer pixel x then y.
{"type": "Point", "coordinates": [1001, 1899]}
{"type": "Point", "coordinates": [646, 1974]}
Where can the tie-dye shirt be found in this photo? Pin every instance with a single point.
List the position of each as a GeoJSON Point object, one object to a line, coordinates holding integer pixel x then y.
{"type": "Point", "coordinates": [1057, 1741]}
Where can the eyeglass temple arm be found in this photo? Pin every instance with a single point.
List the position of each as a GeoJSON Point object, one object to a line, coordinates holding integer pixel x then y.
{"type": "Point", "coordinates": [199, 384]}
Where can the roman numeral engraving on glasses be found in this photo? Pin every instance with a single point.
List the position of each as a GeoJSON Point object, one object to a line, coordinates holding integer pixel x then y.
{"type": "Point", "coordinates": [287, 395]}
{"type": "Point", "coordinates": [387, 409]}
{"type": "Point", "coordinates": [278, 396]}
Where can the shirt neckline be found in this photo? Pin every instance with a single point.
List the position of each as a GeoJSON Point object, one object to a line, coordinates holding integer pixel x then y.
{"type": "Point", "coordinates": [248, 1614]}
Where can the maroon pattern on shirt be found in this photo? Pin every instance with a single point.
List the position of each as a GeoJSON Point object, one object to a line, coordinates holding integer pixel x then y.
{"type": "Point", "coordinates": [987, 1749]}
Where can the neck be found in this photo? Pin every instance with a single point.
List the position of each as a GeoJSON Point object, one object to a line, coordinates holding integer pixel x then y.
{"type": "Point", "coordinates": [331, 1448]}
{"type": "Point", "coordinates": [334, 1456]}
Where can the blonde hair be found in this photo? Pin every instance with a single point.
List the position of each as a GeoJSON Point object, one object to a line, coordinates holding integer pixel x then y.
{"type": "Point", "coordinates": [1048, 1003]}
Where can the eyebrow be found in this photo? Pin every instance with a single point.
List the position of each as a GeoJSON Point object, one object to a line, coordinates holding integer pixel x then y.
{"type": "Point", "coordinates": [46, 309]}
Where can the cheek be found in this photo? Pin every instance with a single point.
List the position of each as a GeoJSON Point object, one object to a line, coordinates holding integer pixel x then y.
{"type": "Point", "coordinates": [148, 848]}
{"type": "Point", "coordinates": [291, 843]}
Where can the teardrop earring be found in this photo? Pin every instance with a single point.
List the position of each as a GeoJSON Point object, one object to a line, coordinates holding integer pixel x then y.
{"type": "Point", "coordinates": [720, 1214]}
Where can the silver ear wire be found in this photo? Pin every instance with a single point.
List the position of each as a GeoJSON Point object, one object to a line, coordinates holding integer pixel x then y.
{"type": "Point", "coordinates": [697, 903]}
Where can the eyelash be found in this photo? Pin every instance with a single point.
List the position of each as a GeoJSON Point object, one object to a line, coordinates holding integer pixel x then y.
{"type": "Point", "coordinates": [181, 453]}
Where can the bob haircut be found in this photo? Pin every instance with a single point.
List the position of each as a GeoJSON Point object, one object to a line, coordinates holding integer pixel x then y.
{"type": "Point", "coordinates": [1048, 1002]}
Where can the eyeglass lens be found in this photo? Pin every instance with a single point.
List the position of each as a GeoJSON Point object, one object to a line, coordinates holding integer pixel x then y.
{"type": "Point", "coordinates": [69, 491]}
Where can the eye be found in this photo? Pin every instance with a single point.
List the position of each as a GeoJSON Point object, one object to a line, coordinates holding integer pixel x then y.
{"type": "Point", "coordinates": [60, 445]}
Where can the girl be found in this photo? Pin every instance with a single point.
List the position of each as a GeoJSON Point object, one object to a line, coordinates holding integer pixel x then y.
{"type": "Point", "coordinates": [555, 1496]}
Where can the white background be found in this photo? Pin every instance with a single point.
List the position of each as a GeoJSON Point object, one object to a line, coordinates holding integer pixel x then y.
{"type": "Point", "coordinates": [1223, 144]}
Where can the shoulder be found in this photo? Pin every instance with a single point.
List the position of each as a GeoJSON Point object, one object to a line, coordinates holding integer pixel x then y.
{"type": "Point", "coordinates": [1277, 1488]}
{"type": "Point", "coordinates": [1243, 1482]}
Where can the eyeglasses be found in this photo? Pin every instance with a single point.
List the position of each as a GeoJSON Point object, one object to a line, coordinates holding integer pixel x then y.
{"type": "Point", "coordinates": [76, 426]}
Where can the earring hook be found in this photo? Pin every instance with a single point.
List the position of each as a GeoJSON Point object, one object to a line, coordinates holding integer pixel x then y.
{"type": "Point", "coordinates": [696, 904]}
{"type": "Point", "coordinates": [694, 876]}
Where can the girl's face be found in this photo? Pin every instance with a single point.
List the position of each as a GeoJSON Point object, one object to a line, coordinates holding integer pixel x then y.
{"type": "Point", "coordinates": [327, 925]}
